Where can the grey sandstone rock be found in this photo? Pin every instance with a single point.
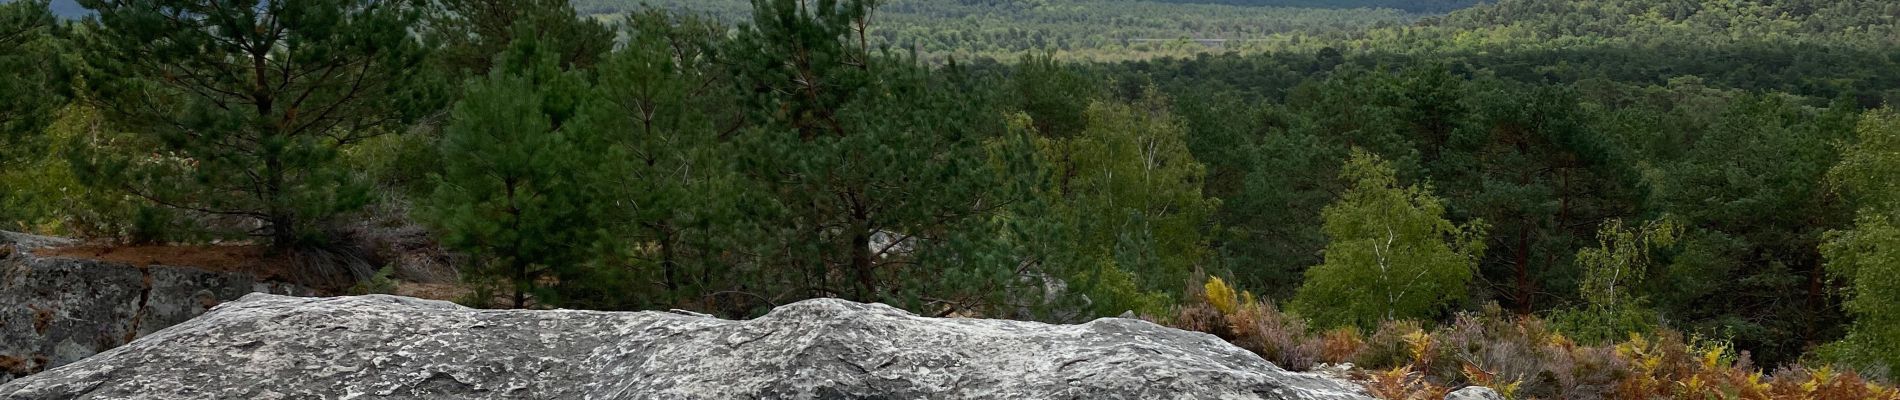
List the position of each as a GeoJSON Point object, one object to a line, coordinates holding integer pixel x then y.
{"type": "Point", "coordinates": [1474, 393]}
{"type": "Point", "coordinates": [274, 347]}
{"type": "Point", "coordinates": [56, 311]}
{"type": "Point", "coordinates": [26, 241]}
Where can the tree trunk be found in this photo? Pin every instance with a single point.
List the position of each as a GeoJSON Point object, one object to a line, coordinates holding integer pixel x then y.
{"type": "Point", "coordinates": [520, 268]}
{"type": "Point", "coordinates": [861, 262]}
{"type": "Point", "coordinates": [1817, 302]}
{"type": "Point", "coordinates": [283, 232]}
{"type": "Point", "coordinates": [521, 281]}
{"type": "Point", "coordinates": [521, 284]}
{"type": "Point", "coordinates": [669, 264]}
{"type": "Point", "coordinates": [1523, 270]}
{"type": "Point", "coordinates": [282, 229]}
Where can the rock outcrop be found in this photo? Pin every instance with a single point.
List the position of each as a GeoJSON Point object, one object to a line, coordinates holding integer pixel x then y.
{"type": "Point", "coordinates": [55, 311]}
{"type": "Point", "coordinates": [1474, 393]}
{"type": "Point", "coordinates": [275, 347]}
{"type": "Point", "coordinates": [22, 241]}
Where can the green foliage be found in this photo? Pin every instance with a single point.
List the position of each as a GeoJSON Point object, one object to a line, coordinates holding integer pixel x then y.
{"type": "Point", "coordinates": [31, 87]}
{"type": "Point", "coordinates": [1056, 96]}
{"type": "Point", "coordinates": [1408, 5]}
{"type": "Point", "coordinates": [1748, 189]}
{"type": "Point", "coordinates": [1113, 291]}
{"type": "Point", "coordinates": [1870, 162]}
{"type": "Point", "coordinates": [810, 152]}
{"type": "Point", "coordinates": [1867, 257]}
{"type": "Point", "coordinates": [240, 109]}
{"type": "Point", "coordinates": [470, 33]}
{"type": "Point", "coordinates": [1611, 273]}
{"type": "Point", "coordinates": [383, 282]}
{"type": "Point", "coordinates": [399, 163]}
{"type": "Point", "coordinates": [1597, 325]}
{"type": "Point", "coordinates": [658, 112]}
{"type": "Point", "coordinates": [874, 169]}
{"type": "Point", "coordinates": [1526, 160]}
{"type": "Point", "coordinates": [43, 194]}
{"type": "Point", "coordinates": [1622, 259]}
{"type": "Point", "coordinates": [1096, 30]}
{"type": "Point", "coordinates": [1392, 254]}
{"type": "Point", "coordinates": [513, 193]}
{"type": "Point", "coordinates": [1132, 198]}
{"type": "Point", "coordinates": [31, 99]}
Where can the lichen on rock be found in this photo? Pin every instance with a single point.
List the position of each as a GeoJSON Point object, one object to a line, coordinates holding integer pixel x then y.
{"type": "Point", "coordinates": [266, 346]}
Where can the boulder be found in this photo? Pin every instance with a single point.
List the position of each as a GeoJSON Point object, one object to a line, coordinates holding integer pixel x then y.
{"type": "Point", "coordinates": [55, 311]}
{"type": "Point", "coordinates": [387, 347]}
{"type": "Point", "coordinates": [1474, 393]}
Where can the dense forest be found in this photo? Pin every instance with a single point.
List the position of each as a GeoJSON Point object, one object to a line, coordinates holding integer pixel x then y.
{"type": "Point", "coordinates": [1066, 29]}
{"type": "Point", "coordinates": [1572, 198]}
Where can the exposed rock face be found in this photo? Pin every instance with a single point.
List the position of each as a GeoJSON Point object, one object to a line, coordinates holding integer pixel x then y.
{"type": "Point", "coordinates": [1474, 393]}
{"type": "Point", "coordinates": [25, 241]}
{"type": "Point", "coordinates": [271, 347]}
{"type": "Point", "coordinates": [57, 311]}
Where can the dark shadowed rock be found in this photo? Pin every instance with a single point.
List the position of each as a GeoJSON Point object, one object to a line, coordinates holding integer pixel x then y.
{"type": "Point", "coordinates": [274, 347]}
{"type": "Point", "coordinates": [55, 311]}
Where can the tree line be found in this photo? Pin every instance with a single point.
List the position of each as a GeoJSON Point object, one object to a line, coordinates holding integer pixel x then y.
{"type": "Point", "coordinates": [1098, 30]}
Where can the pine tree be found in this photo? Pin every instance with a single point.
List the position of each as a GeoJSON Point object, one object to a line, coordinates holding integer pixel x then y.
{"type": "Point", "coordinates": [513, 193]}
{"type": "Point", "coordinates": [1055, 95]}
{"type": "Point", "coordinates": [471, 33]}
{"type": "Point", "coordinates": [661, 113]}
{"type": "Point", "coordinates": [875, 165]}
{"type": "Point", "coordinates": [30, 87]}
{"type": "Point", "coordinates": [1525, 162]}
{"type": "Point", "coordinates": [1747, 190]}
{"type": "Point", "coordinates": [1392, 255]}
{"type": "Point", "coordinates": [245, 105]}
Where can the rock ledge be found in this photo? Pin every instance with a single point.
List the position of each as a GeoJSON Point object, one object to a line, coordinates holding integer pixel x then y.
{"type": "Point", "coordinates": [274, 347]}
{"type": "Point", "coordinates": [55, 310]}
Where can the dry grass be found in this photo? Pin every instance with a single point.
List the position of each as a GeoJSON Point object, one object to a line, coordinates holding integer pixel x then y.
{"type": "Point", "coordinates": [1520, 357]}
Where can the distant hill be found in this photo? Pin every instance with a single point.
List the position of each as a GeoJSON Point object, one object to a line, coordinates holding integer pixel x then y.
{"type": "Point", "coordinates": [1416, 6]}
{"type": "Point", "coordinates": [1100, 30]}
{"type": "Point", "coordinates": [72, 9]}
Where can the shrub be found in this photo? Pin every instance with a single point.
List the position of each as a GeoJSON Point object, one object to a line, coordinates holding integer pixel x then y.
{"type": "Point", "coordinates": [1339, 345]}
{"type": "Point", "coordinates": [1520, 357]}
{"type": "Point", "coordinates": [383, 282]}
{"type": "Point", "coordinates": [1264, 330]}
{"type": "Point", "coordinates": [1386, 348]}
{"type": "Point", "coordinates": [1403, 383]}
{"type": "Point", "coordinates": [1599, 325]}
{"type": "Point", "coordinates": [1221, 296]}
{"type": "Point", "coordinates": [1202, 317]}
{"type": "Point", "coordinates": [1824, 383]}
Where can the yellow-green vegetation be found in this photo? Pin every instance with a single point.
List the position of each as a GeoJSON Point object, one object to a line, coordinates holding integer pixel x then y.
{"type": "Point", "coordinates": [1391, 252]}
{"type": "Point", "coordinates": [1866, 257]}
